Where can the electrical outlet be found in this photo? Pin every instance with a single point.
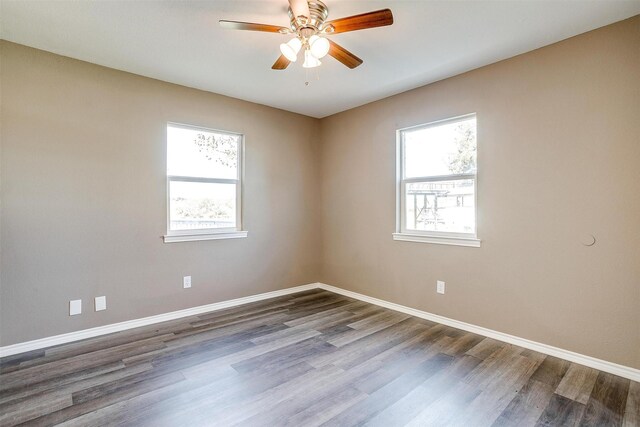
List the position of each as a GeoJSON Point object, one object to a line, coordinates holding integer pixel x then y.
{"type": "Point", "coordinates": [440, 287]}
{"type": "Point", "coordinates": [101, 303]}
{"type": "Point", "coordinates": [186, 282]}
{"type": "Point", "coordinates": [75, 307]}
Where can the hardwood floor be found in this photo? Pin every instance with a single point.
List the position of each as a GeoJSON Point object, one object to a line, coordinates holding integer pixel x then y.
{"type": "Point", "coordinates": [308, 359]}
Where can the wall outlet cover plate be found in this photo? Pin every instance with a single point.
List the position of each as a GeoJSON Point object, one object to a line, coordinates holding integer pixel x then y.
{"type": "Point", "coordinates": [75, 307]}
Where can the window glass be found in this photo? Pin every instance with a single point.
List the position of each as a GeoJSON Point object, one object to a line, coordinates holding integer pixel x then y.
{"type": "Point", "coordinates": [198, 153]}
{"type": "Point", "coordinates": [438, 178]}
{"type": "Point", "coordinates": [197, 205]}
{"type": "Point", "coordinates": [447, 206]}
{"type": "Point", "coordinates": [203, 175]}
{"type": "Point", "coordinates": [440, 149]}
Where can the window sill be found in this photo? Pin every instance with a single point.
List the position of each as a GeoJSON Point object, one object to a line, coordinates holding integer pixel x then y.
{"type": "Point", "coordinates": [210, 236]}
{"type": "Point", "coordinates": [456, 241]}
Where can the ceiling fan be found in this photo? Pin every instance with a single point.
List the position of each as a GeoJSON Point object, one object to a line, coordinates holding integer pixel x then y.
{"type": "Point", "coordinates": [309, 25]}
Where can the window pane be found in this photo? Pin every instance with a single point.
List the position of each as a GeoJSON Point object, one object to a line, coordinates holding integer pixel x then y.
{"type": "Point", "coordinates": [447, 206]}
{"type": "Point", "coordinates": [200, 205]}
{"type": "Point", "coordinates": [441, 149]}
{"type": "Point", "coordinates": [194, 152]}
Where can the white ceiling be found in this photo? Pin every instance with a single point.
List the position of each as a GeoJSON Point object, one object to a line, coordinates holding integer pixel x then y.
{"type": "Point", "coordinates": [181, 42]}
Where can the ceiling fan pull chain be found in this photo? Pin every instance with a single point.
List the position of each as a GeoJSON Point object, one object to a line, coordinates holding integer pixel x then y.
{"type": "Point", "coordinates": [315, 71]}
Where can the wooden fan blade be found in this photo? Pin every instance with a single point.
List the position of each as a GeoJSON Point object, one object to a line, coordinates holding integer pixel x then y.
{"type": "Point", "coordinates": [343, 55]}
{"type": "Point", "coordinates": [299, 7]}
{"type": "Point", "coordinates": [379, 18]}
{"type": "Point", "coordinates": [249, 26]}
{"type": "Point", "coordinates": [281, 63]}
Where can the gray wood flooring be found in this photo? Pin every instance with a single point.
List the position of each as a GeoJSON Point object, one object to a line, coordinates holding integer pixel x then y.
{"type": "Point", "coordinates": [308, 359]}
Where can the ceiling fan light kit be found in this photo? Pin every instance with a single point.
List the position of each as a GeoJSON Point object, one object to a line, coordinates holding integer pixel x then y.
{"type": "Point", "coordinates": [310, 61]}
{"type": "Point", "coordinates": [319, 46]}
{"type": "Point", "coordinates": [291, 48]}
{"type": "Point", "coordinates": [309, 26]}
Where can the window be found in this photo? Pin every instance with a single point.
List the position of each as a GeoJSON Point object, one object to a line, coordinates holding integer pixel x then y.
{"type": "Point", "coordinates": [437, 182]}
{"type": "Point", "coordinates": [204, 170]}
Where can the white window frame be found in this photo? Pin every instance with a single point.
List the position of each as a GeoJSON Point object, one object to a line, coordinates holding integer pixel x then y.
{"type": "Point", "coordinates": [207, 233]}
{"type": "Point", "coordinates": [422, 236]}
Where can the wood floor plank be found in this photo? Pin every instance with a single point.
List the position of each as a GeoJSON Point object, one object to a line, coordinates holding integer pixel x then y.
{"type": "Point", "coordinates": [325, 408]}
{"type": "Point", "coordinates": [21, 410]}
{"type": "Point", "coordinates": [269, 407]}
{"type": "Point", "coordinates": [551, 371]}
{"type": "Point", "coordinates": [259, 309]}
{"type": "Point", "coordinates": [632, 411]}
{"type": "Point", "coordinates": [494, 366]}
{"type": "Point", "coordinates": [268, 316]}
{"type": "Point", "coordinates": [423, 405]}
{"type": "Point", "coordinates": [47, 371]}
{"type": "Point", "coordinates": [112, 385]}
{"type": "Point", "coordinates": [499, 386]}
{"type": "Point", "coordinates": [527, 405]}
{"type": "Point", "coordinates": [184, 357]}
{"type": "Point", "coordinates": [485, 348]}
{"type": "Point", "coordinates": [283, 334]}
{"type": "Point", "coordinates": [382, 398]}
{"type": "Point", "coordinates": [392, 338]}
{"type": "Point", "coordinates": [205, 403]}
{"type": "Point", "coordinates": [159, 401]}
{"type": "Point", "coordinates": [322, 319]}
{"type": "Point", "coordinates": [323, 315]}
{"type": "Point", "coordinates": [386, 366]}
{"type": "Point", "coordinates": [462, 344]}
{"type": "Point", "coordinates": [333, 328]}
{"type": "Point", "coordinates": [160, 332]}
{"type": "Point", "coordinates": [307, 359]}
{"type": "Point", "coordinates": [358, 351]}
{"type": "Point", "coordinates": [279, 315]}
{"type": "Point", "coordinates": [320, 304]}
{"type": "Point", "coordinates": [34, 397]}
{"type": "Point", "coordinates": [444, 409]}
{"type": "Point", "coordinates": [462, 365]}
{"type": "Point", "coordinates": [607, 402]}
{"type": "Point", "coordinates": [12, 363]}
{"type": "Point", "coordinates": [371, 325]}
{"type": "Point", "coordinates": [248, 353]}
{"type": "Point", "coordinates": [285, 356]}
{"type": "Point", "coordinates": [116, 395]}
{"type": "Point", "coordinates": [561, 412]}
{"type": "Point", "coordinates": [193, 355]}
{"type": "Point", "coordinates": [384, 317]}
{"type": "Point", "coordinates": [207, 342]}
{"type": "Point", "coordinates": [577, 383]}
{"type": "Point", "coordinates": [302, 297]}
{"type": "Point", "coordinates": [59, 381]}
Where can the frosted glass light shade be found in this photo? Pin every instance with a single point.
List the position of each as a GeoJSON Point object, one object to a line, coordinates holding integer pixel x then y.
{"type": "Point", "coordinates": [319, 46]}
{"type": "Point", "coordinates": [310, 61]}
{"type": "Point", "coordinates": [291, 48]}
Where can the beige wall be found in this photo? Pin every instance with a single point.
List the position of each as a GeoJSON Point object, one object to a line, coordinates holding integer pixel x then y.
{"type": "Point", "coordinates": [559, 157]}
{"type": "Point", "coordinates": [83, 197]}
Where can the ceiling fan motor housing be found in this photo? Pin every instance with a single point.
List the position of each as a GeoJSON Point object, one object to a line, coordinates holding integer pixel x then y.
{"type": "Point", "coordinates": [318, 13]}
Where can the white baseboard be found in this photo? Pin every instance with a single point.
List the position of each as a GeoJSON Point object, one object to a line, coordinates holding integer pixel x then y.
{"type": "Point", "coordinates": [10, 350]}
{"type": "Point", "coordinates": [599, 364]}
{"type": "Point", "coordinates": [592, 362]}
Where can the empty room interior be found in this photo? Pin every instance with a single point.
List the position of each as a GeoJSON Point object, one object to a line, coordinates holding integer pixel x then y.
{"type": "Point", "coordinates": [320, 213]}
